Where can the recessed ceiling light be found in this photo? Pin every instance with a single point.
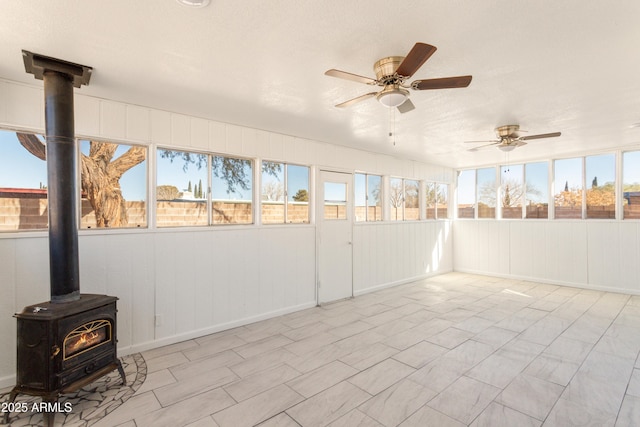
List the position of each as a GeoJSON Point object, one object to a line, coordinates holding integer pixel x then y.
{"type": "Point", "coordinates": [194, 3]}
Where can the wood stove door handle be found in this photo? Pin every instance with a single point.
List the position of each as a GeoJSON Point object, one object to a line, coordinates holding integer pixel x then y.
{"type": "Point", "coordinates": [55, 350]}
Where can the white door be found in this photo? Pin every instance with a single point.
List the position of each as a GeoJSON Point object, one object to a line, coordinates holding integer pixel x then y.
{"type": "Point", "coordinates": [334, 219]}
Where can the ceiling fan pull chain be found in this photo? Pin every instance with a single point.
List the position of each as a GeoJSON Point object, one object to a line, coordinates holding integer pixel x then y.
{"type": "Point", "coordinates": [392, 125]}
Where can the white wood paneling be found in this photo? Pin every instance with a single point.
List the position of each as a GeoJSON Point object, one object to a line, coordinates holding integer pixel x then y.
{"type": "Point", "coordinates": [217, 137]}
{"type": "Point", "coordinates": [392, 253]}
{"type": "Point", "coordinates": [199, 134]}
{"type": "Point", "coordinates": [249, 142]}
{"type": "Point", "coordinates": [180, 130]}
{"type": "Point", "coordinates": [261, 144]}
{"type": "Point", "coordinates": [603, 260]}
{"type": "Point", "coordinates": [585, 253]}
{"type": "Point", "coordinates": [86, 115]}
{"type": "Point", "coordinates": [24, 106]}
{"type": "Point", "coordinates": [113, 120]}
{"type": "Point", "coordinates": [8, 307]}
{"type": "Point", "coordinates": [160, 127]}
{"type": "Point", "coordinates": [3, 101]}
{"type": "Point", "coordinates": [31, 266]}
{"type": "Point", "coordinates": [629, 238]}
{"type": "Point", "coordinates": [138, 124]}
{"type": "Point", "coordinates": [276, 146]}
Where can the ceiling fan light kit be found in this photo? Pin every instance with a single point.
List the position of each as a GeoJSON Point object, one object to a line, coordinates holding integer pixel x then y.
{"type": "Point", "coordinates": [392, 96]}
{"type": "Point", "coordinates": [194, 3]}
{"type": "Point", "coordinates": [392, 73]}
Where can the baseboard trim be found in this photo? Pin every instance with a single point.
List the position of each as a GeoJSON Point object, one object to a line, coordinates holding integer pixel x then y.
{"type": "Point", "coordinates": [173, 339]}
{"type": "Point", "coordinates": [551, 281]}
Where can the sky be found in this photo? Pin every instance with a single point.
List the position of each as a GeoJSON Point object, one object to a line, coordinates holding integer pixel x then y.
{"type": "Point", "coordinates": [15, 160]}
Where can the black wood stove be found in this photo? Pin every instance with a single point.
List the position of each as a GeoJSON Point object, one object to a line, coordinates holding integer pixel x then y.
{"type": "Point", "coordinates": [69, 341]}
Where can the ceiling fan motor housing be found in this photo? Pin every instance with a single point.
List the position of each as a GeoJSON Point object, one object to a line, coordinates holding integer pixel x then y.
{"type": "Point", "coordinates": [385, 68]}
{"type": "Point", "coordinates": [507, 131]}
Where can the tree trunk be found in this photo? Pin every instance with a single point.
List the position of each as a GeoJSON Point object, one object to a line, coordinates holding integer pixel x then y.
{"type": "Point", "coordinates": [101, 181]}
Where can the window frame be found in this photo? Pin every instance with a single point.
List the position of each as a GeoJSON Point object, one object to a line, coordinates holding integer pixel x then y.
{"type": "Point", "coordinates": [208, 198]}
{"type": "Point", "coordinates": [147, 182]}
{"type": "Point", "coordinates": [366, 206]}
{"type": "Point", "coordinates": [285, 189]}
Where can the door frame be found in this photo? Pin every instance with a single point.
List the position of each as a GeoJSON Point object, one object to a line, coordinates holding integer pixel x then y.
{"type": "Point", "coordinates": [319, 219]}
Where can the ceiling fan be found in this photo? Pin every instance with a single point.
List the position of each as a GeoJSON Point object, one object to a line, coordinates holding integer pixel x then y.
{"type": "Point", "coordinates": [508, 138]}
{"type": "Point", "coordinates": [392, 74]}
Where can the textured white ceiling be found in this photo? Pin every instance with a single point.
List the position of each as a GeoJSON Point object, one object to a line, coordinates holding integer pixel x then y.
{"type": "Point", "coordinates": [571, 66]}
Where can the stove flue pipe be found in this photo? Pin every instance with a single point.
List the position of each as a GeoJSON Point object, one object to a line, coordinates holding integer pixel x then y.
{"type": "Point", "coordinates": [60, 77]}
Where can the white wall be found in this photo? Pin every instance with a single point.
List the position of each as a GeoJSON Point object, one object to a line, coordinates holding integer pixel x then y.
{"type": "Point", "coordinates": [594, 254]}
{"type": "Point", "coordinates": [178, 284]}
{"type": "Point", "coordinates": [393, 253]}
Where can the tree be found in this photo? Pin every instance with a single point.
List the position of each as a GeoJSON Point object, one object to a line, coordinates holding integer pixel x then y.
{"type": "Point", "coordinates": [189, 187]}
{"type": "Point", "coordinates": [411, 195]}
{"type": "Point", "coordinates": [513, 192]}
{"type": "Point", "coordinates": [396, 195]}
{"type": "Point", "coordinates": [570, 198]}
{"type": "Point", "coordinates": [301, 196]}
{"type": "Point", "coordinates": [506, 199]}
{"type": "Point", "coordinates": [100, 177]}
{"type": "Point", "coordinates": [167, 192]}
{"type": "Point", "coordinates": [273, 191]}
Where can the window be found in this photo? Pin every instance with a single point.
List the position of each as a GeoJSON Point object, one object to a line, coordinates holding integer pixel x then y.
{"type": "Point", "coordinates": [537, 189]}
{"type": "Point", "coordinates": [442, 201]}
{"type": "Point", "coordinates": [631, 184]}
{"type": "Point", "coordinates": [486, 190]}
{"type": "Point", "coordinates": [601, 186]}
{"type": "Point", "coordinates": [23, 182]}
{"type": "Point", "coordinates": [297, 194]}
{"type": "Point", "coordinates": [568, 188]}
{"type": "Point", "coordinates": [466, 194]}
{"type": "Point", "coordinates": [511, 190]}
{"type": "Point", "coordinates": [367, 197]}
{"type": "Point", "coordinates": [396, 199]}
{"type": "Point", "coordinates": [436, 196]}
{"type": "Point", "coordinates": [431, 199]}
{"type": "Point", "coordinates": [411, 200]}
{"type": "Point", "coordinates": [335, 200]}
{"type": "Point", "coordinates": [113, 185]}
{"type": "Point", "coordinates": [231, 190]}
{"type": "Point", "coordinates": [282, 181]}
{"type": "Point", "coordinates": [181, 188]}
{"type": "Point", "coordinates": [404, 198]}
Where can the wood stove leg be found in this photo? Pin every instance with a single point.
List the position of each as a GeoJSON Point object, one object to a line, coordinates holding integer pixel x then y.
{"type": "Point", "coordinates": [49, 417]}
{"type": "Point", "coordinates": [12, 398]}
{"type": "Point", "coordinates": [122, 374]}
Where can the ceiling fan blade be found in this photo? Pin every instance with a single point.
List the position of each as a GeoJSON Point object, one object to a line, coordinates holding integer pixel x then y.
{"type": "Point", "coordinates": [417, 56]}
{"type": "Point", "coordinates": [350, 76]}
{"type": "Point", "coordinates": [442, 83]}
{"type": "Point", "coordinates": [406, 106]}
{"type": "Point", "coordinates": [542, 135]}
{"type": "Point", "coordinates": [356, 100]}
{"type": "Point", "coordinates": [483, 146]}
{"type": "Point", "coordinates": [486, 140]}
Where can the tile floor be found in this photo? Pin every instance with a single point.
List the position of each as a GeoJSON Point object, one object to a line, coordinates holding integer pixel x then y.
{"type": "Point", "coordinates": [452, 350]}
